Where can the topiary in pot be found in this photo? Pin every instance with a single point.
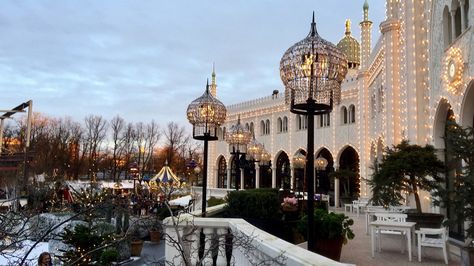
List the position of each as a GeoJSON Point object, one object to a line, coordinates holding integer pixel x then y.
{"type": "Point", "coordinates": [331, 231]}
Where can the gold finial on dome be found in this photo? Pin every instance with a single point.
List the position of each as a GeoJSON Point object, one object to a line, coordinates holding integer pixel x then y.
{"type": "Point", "coordinates": [348, 27]}
{"type": "Point", "coordinates": [350, 47]}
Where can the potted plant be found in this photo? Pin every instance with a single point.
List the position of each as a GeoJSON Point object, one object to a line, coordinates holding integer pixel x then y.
{"type": "Point", "coordinates": [155, 230]}
{"type": "Point", "coordinates": [407, 168]}
{"type": "Point", "coordinates": [331, 231]}
{"type": "Point", "coordinates": [289, 204]}
{"type": "Point", "coordinates": [136, 242]}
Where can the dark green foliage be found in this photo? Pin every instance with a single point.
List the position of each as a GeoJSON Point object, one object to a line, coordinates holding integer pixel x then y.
{"type": "Point", "coordinates": [108, 256]}
{"type": "Point", "coordinates": [328, 225]}
{"type": "Point", "coordinates": [213, 201]}
{"type": "Point", "coordinates": [405, 167]}
{"type": "Point", "coordinates": [460, 193]}
{"type": "Point", "coordinates": [84, 239]}
{"type": "Point", "coordinates": [92, 203]}
{"type": "Point", "coordinates": [253, 203]}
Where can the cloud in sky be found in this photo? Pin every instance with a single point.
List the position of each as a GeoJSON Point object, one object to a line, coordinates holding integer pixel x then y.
{"type": "Point", "coordinates": [147, 60]}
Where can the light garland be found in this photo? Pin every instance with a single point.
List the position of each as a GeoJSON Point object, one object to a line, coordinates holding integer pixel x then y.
{"type": "Point", "coordinates": [453, 62]}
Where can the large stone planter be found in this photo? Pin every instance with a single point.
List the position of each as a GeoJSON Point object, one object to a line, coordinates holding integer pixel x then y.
{"type": "Point", "coordinates": [136, 247]}
{"type": "Point", "coordinates": [155, 236]}
{"type": "Point", "coordinates": [329, 248]}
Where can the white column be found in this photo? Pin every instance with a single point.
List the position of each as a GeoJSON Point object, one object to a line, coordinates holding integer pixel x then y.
{"type": "Point", "coordinates": [336, 192]}
{"type": "Point", "coordinates": [221, 259]}
{"type": "Point", "coordinates": [209, 235]}
{"type": "Point", "coordinates": [463, 15]}
{"type": "Point", "coordinates": [453, 25]}
{"type": "Point", "coordinates": [257, 175]}
{"type": "Point", "coordinates": [228, 177]}
{"type": "Point", "coordinates": [274, 177]}
{"type": "Point", "coordinates": [242, 177]}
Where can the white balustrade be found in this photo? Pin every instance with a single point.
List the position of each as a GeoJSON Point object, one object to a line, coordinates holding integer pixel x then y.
{"type": "Point", "coordinates": [250, 245]}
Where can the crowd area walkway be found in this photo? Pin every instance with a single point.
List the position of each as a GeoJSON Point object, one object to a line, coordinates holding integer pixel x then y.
{"type": "Point", "coordinates": [358, 250]}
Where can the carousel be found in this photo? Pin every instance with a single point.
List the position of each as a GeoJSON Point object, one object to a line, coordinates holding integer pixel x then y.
{"type": "Point", "coordinates": [166, 185]}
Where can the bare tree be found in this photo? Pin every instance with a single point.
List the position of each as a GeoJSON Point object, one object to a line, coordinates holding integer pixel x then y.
{"type": "Point", "coordinates": [152, 136]}
{"type": "Point", "coordinates": [127, 146]}
{"type": "Point", "coordinates": [117, 124]}
{"type": "Point", "coordinates": [96, 129]}
{"type": "Point", "coordinates": [176, 140]}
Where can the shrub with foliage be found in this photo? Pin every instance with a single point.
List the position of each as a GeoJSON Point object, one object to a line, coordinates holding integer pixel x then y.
{"type": "Point", "coordinates": [328, 225]}
{"type": "Point", "coordinates": [213, 201]}
{"type": "Point", "coordinates": [84, 240]}
{"type": "Point", "coordinates": [108, 256]}
{"type": "Point", "coordinates": [253, 203]}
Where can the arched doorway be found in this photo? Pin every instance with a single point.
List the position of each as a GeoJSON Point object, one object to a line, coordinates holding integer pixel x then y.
{"type": "Point", "coordinates": [453, 167]}
{"type": "Point", "coordinates": [299, 171]}
{"type": "Point", "coordinates": [249, 174]}
{"type": "Point", "coordinates": [350, 186]}
{"type": "Point", "coordinates": [234, 179]}
{"type": "Point", "coordinates": [265, 175]}
{"type": "Point", "coordinates": [222, 173]}
{"type": "Point", "coordinates": [282, 169]}
{"type": "Point", "coordinates": [323, 183]}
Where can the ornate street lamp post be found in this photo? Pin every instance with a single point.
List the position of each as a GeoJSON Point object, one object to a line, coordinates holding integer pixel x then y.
{"type": "Point", "coordinates": [206, 114]}
{"type": "Point", "coordinates": [312, 71]}
{"type": "Point", "coordinates": [238, 137]}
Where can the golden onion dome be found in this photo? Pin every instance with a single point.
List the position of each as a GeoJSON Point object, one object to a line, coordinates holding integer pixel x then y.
{"type": "Point", "coordinates": [350, 47]}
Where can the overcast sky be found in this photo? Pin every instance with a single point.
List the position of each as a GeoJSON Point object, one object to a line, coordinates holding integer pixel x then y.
{"type": "Point", "coordinates": [146, 59]}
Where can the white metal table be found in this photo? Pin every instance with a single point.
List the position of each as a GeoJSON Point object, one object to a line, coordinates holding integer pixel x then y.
{"type": "Point", "coordinates": [407, 227]}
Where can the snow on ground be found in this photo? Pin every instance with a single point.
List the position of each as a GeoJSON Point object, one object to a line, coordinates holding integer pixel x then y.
{"type": "Point", "coordinates": [13, 257]}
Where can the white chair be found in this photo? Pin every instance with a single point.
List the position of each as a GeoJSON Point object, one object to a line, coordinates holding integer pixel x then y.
{"type": "Point", "coordinates": [433, 237]}
{"type": "Point", "coordinates": [391, 217]}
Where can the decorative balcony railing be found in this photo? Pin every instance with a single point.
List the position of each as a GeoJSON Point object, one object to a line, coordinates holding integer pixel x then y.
{"type": "Point", "coordinates": [222, 241]}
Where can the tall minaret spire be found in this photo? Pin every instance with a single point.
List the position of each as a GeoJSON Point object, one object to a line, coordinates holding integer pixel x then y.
{"type": "Point", "coordinates": [366, 36]}
{"type": "Point", "coordinates": [213, 81]}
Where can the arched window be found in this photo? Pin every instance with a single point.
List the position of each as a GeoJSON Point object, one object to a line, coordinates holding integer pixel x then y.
{"type": "Point", "coordinates": [247, 126]}
{"type": "Point", "coordinates": [447, 35]}
{"type": "Point", "coordinates": [381, 99]}
{"type": "Point", "coordinates": [352, 114]}
{"type": "Point", "coordinates": [285, 124]}
{"type": "Point", "coordinates": [298, 121]}
{"type": "Point", "coordinates": [344, 115]}
{"type": "Point", "coordinates": [223, 133]}
{"type": "Point", "coordinates": [279, 125]}
{"type": "Point", "coordinates": [305, 122]}
{"type": "Point", "coordinates": [324, 120]}
{"type": "Point", "coordinates": [262, 128]}
{"type": "Point", "coordinates": [252, 128]}
{"type": "Point", "coordinates": [466, 13]}
{"type": "Point", "coordinates": [267, 127]}
{"type": "Point", "coordinates": [372, 106]}
{"type": "Point", "coordinates": [457, 21]}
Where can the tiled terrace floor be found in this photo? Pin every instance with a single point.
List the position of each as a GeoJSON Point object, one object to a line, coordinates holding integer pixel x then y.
{"type": "Point", "coordinates": [358, 250]}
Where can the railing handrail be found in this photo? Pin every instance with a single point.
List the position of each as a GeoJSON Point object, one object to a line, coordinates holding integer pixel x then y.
{"type": "Point", "coordinates": [269, 245]}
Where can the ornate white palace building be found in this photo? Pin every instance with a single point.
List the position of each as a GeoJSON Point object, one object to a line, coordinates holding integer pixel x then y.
{"type": "Point", "coordinates": [419, 73]}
